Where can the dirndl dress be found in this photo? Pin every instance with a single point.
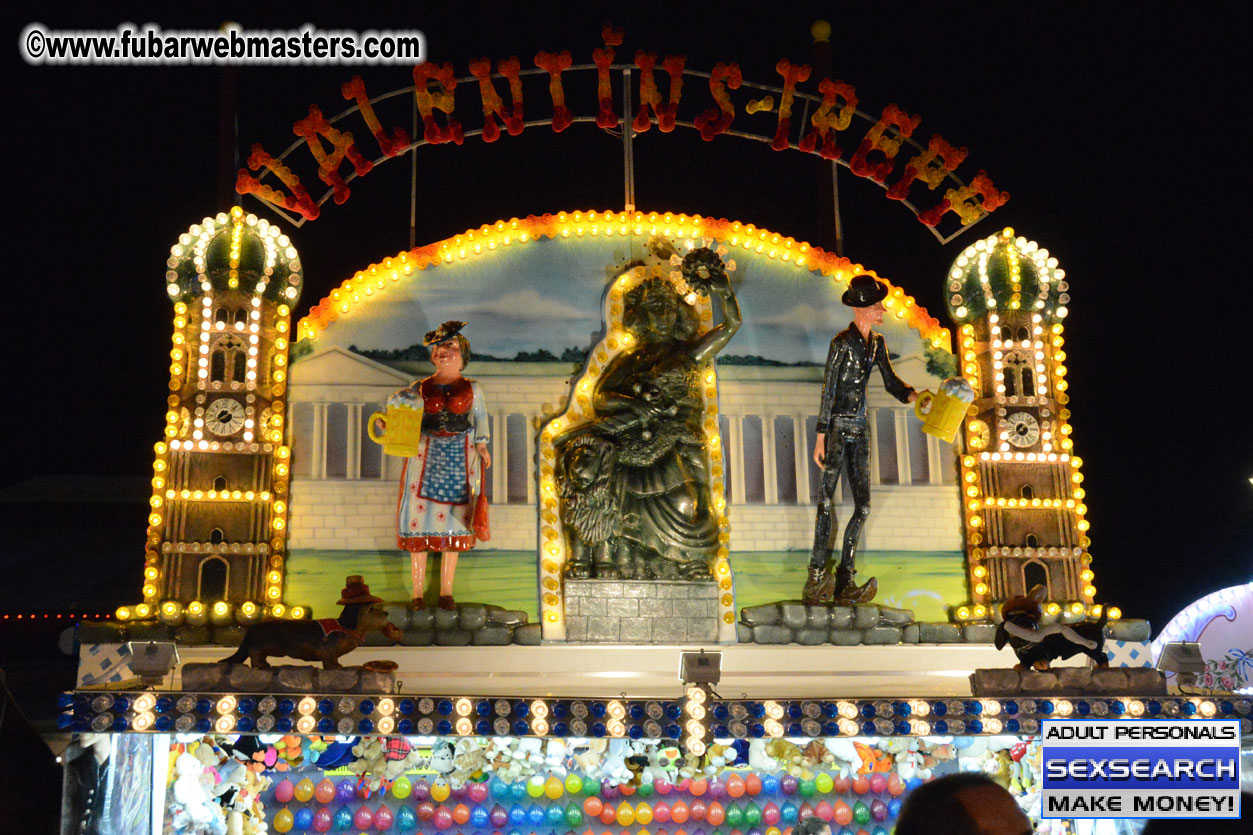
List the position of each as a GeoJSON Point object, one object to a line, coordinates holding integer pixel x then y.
{"type": "Point", "coordinates": [439, 485]}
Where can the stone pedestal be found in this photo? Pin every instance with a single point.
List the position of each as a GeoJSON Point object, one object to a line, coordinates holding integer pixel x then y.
{"type": "Point", "coordinates": [641, 611]}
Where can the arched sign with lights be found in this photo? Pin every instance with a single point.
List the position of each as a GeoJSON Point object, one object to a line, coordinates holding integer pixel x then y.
{"type": "Point", "coordinates": [885, 152]}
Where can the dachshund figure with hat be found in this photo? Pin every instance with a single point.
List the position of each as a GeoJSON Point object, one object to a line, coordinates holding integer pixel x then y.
{"type": "Point", "coordinates": [319, 640]}
{"type": "Point", "coordinates": [1037, 645]}
{"type": "Point", "coordinates": [843, 440]}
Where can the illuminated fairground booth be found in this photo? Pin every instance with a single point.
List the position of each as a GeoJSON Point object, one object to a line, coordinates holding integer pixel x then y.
{"type": "Point", "coordinates": [616, 632]}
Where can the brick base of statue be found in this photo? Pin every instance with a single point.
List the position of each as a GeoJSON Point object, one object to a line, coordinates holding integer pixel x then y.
{"type": "Point", "coordinates": [641, 611]}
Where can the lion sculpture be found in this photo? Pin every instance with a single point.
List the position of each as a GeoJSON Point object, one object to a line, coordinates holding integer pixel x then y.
{"type": "Point", "coordinates": [589, 507]}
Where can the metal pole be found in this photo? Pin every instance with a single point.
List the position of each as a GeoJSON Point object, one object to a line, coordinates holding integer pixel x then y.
{"type": "Point", "coordinates": [835, 200]}
{"type": "Point", "coordinates": [628, 148]}
{"type": "Point", "coordinates": [413, 179]}
{"type": "Point", "coordinates": [820, 31]}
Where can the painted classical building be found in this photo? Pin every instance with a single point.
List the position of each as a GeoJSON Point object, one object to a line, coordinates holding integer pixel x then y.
{"type": "Point", "coordinates": [344, 489]}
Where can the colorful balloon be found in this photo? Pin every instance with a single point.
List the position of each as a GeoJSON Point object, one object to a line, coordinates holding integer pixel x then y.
{"type": "Point", "coordinates": [896, 788]}
{"type": "Point", "coordinates": [661, 811]}
{"type": "Point", "coordinates": [554, 816]}
{"type": "Point", "coordinates": [406, 820]}
{"type": "Point", "coordinates": [770, 814]}
{"type": "Point", "coordinates": [442, 817]}
{"type": "Point", "coordinates": [824, 811]}
{"type": "Point", "coordinates": [498, 817]}
{"type": "Point", "coordinates": [823, 783]}
{"type": "Point", "coordinates": [735, 816]}
{"type": "Point", "coordinates": [861, 812]}
{"type": "Point", "coordinates": [625, 814]}
{"type": "Point", "coordinates": [283, 820]}
{"type": "Point", "coordinates": [752, 785]}
{"type": "Point", "coordinates": [662, 785]}
{"type": "Point", "coordinates": [788, 813]}
{"type": "Point", "coordinates": [535, 786]}
{"type": "Point", "coordinates": [574, 815]}
{"type": "Point", "coordinates": [402, 788]}
{"type": "Point", "coordinates": [679, 812]}
{"type": "Point", "coordinates": [574, 784]}
{"type": "Point", "coordinates": [698, 787]}
{"type": "Point", "coordinates": [697, 810]}
{"type": "Point", "coordinates": [426, 811]}
{"type": "Point", "coordinates": [806, 811]}
{"type": "Point", "coordinates": [770, 784]}
{"type": "Point", "coordinates": [843, 784]}
{"type": "Point", "coordinates": [440, 791]}
{"type": "Point", "coordinates": [843, 813]}
{"type": "Point", "coordinates": [715, 814]}
{"type": "Point", "coordinates": [303, 819]}
{"type": "Point", "coordinates": [421, 789]}
{"type": "Point", "coordinates": [717, 789]}
{"type": "Point", "coordinates": [752, 814]}
{"type": "Point", "coordinates": [861, 785]}
{"type": "Point", "coordinates": [517, 791]}
{"type": "Point", "coordinates": [343, 819]}
{"type": "Point", "coordinates": [383, 818]}
{"type": "Point", "coordinates": [626, 789]}
{"type": "Point", "coordinates": [645, 790]}
{"type": "Point", "coordinates": [344, 791]}
{"type": "Point", "coordinates": [284, 791]}
{"type": "Point", "coordinates": [535, 815]}
{"type": "Point", "coordinates": [324, 791]}
{"type": "Point", "coordinates": [476, 792]}
{"type": "Point", "coordinates": [807, 788]}
{"type": "Point", "coordinates": [499, 788]}
{"type": "Point", "coordinates": [878, 810]}
{"type": "Point", "coordinates": [735, 786]}
{"type": "Point", "coordinates": [787, 784]}
{"type": "Point", "coordinates": [364, 818]}
{"type": "Point", "coordinates": [322, 818]}
{"type": "Point", "coordinates": [607, 815]}
{"type": "Point", "coordinates": [478, 817]}
{"type": "Point", "coordinates": [461, 814]}
{"type": "Point", "coordinates": [643, 813]}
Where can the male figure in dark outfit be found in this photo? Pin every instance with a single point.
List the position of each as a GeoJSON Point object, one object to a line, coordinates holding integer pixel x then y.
{"type": "Point", "coordinates": [843, 440]}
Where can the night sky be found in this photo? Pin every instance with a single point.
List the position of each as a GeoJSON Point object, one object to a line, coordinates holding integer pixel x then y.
{"type": "Point", "coordinates": [1121, 131]}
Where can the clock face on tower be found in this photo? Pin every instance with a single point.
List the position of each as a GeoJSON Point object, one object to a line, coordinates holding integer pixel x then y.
{"type": "Point", "coordinates": [224, 416]}
{"type": "Point", "coordinates": [1024, 429]}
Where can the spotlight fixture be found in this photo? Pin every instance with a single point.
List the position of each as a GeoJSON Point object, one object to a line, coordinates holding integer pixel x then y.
{"type": "Point", "coordinates": [1183, 658]}
{"type": "Point", "coordinates": [152, 661]}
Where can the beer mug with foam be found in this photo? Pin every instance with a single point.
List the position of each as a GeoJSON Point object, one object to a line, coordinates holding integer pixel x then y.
{"type": "Point", "coordinates": [403, 429]}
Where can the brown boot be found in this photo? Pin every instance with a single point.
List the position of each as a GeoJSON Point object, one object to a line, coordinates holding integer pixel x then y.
{"type": "Point", "coordinates": [446, 603]}
{"type": "Point", "coordinates": [847, 590]}
{"type": "Point", "coordinates": [417, 603]}
{"type": "Point", "coordinates": [819, 587]}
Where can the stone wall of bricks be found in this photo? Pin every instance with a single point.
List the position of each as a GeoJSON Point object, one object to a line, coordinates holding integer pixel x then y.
{"type": "Point", "coordinates": [641, 611]}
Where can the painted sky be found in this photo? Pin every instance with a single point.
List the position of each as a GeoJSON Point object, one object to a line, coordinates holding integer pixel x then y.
{"type": "Point", "coordinates": [548, 293]}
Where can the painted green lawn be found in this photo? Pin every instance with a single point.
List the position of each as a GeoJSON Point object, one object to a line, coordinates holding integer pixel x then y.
{"type": "Point", "coordinates": [925, 582]}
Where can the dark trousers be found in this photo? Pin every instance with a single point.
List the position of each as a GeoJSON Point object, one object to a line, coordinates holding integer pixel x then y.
{"type": "Point", "coordinates": [848, 445]}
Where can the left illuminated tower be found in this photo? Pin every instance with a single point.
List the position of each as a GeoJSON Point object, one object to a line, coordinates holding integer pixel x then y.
{"type": "Point", "coordinates": [217, 524]}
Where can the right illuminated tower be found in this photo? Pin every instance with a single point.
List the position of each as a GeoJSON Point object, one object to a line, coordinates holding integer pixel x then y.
{"type": "Point", "coordinates": [1022, 489]}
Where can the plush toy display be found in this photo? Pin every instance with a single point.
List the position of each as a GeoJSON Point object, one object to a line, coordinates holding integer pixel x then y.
{"type": "Point", "coordinates": [191, 807]}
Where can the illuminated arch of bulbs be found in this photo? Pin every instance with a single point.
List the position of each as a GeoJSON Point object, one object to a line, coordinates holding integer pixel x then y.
{"type": "Point", "coordinates": [738, 237]}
